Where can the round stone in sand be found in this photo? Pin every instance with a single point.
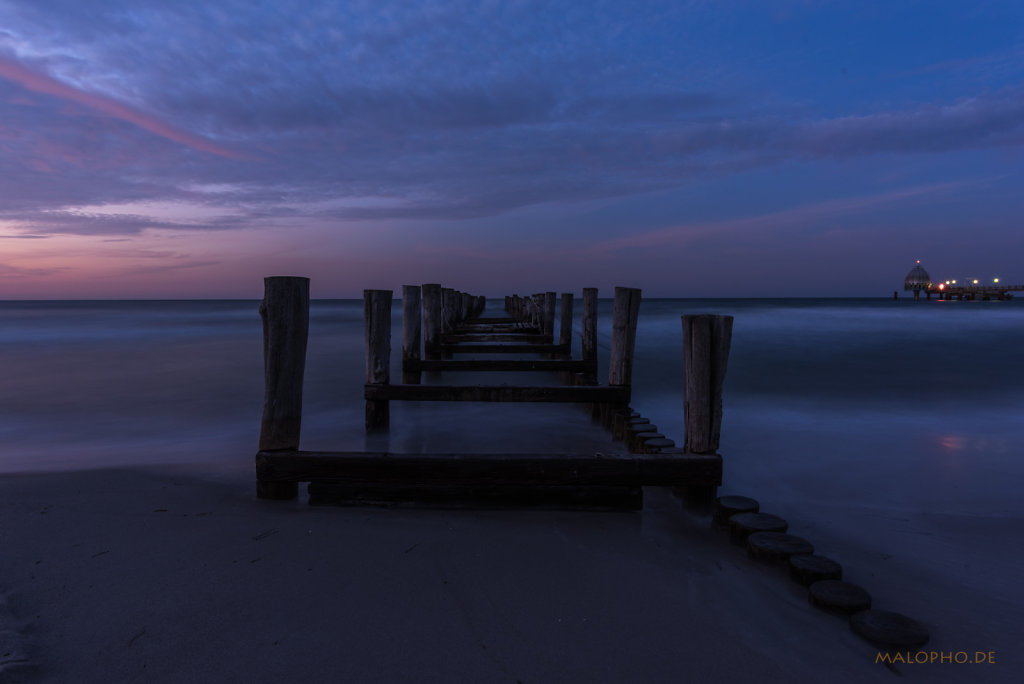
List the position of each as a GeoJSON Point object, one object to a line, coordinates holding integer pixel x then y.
{"type": "Point", "coordinates": [655, 444]}
{"type": "Point", "coordinates": [776, 547]}
{"type": "Point", "coordinates": [839, 597]}
{"type": "Point", "coordinates": [807, 570]}
{"type": "Point", "coordinates": [726, 506]}
{"type": "Point", "coordinates": [634, 430]}
{"type": "Point", "coordinates": [620, 426]}
{"type": "Point", "coordinates": [889, 630]}
{"type": "Point", "coordinates": [742, 525]}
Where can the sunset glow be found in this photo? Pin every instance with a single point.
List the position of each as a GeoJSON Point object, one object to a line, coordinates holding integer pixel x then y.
{"type": "Point", "coordinates": [188, 150]}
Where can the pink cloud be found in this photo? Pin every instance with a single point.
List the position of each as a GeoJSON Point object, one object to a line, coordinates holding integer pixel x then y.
{"type": "Point", "coordinates": [679, 236]}
{"type": "Point", "coordinates": [41, 83]}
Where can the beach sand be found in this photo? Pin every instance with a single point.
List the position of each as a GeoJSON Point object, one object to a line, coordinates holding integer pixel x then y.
{"type": "Point", "coordinates": [179, 574]}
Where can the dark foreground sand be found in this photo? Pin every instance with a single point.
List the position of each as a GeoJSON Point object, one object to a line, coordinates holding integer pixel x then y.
{"type": "Point", "coordinates": [175, 575]}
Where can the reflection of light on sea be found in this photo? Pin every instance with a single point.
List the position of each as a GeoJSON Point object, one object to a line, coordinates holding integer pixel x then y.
{"type": "Point", "coordinates": [952, 442]}
{"type": "Point", "coordinates": [980, 444]}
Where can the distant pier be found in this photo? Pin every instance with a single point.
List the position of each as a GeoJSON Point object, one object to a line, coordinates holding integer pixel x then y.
{"type": "Point", "coordinates": [970, 289]}
{"type": "Point", "coordinates": [972, 292]}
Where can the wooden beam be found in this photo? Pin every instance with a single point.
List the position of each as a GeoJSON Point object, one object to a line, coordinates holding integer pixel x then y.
{"type": "Point", "coordinates": [495, 393]}
{"type": "Point", "coordinates": [568, 365]}
{"type": "Point", "coordinates": [471, 329]}
{"type": "Point", "coordinates": [525, 338]}
{"type": "Point", "coordinates": [502, 348]}
{"type": "Point", "coordinates": [607, 469]}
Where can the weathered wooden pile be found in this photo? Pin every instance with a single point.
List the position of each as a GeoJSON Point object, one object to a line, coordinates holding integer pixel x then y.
{"type": "Point", "coordinates": [439, 324]}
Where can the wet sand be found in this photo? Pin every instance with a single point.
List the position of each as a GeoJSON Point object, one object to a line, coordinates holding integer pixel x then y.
{"type": "Point", "coordinates": [176, 574]}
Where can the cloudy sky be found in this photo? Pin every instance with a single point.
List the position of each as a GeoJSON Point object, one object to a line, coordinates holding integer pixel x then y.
{"type": "Point", "coordinates": [708, 148]}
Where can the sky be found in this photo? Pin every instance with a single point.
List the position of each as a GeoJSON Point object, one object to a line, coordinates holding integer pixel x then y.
{"type": "Point", "coordinates": [691, 149]}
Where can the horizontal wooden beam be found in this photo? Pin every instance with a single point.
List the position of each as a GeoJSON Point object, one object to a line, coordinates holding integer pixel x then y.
{"type": "Point", "coordinates": [496, 330]}
{"type": "Point", "coordinates": [496, 393]}
{"type": "Point", "coordinates": [494, 319]}
{"type": "Point", "coordinates": [525, 338]}
{"type": "Point", "coordinates": [471, 348]}
{"type": "Point", "coordinates": [569, 365]}
{"type": "Point", "coordinates": [579, 469]}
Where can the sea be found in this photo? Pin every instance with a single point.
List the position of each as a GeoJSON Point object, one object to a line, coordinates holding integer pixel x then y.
{"type": "Point", "coordinates": [889, 433]}
{"type": "Point", "coordinates": [878, 400]}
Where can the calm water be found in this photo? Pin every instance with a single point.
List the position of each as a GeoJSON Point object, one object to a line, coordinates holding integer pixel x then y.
{"type": "Point", "coordinates": [888, 433]}
{"type": "Point", "coordinates": [867, 399]}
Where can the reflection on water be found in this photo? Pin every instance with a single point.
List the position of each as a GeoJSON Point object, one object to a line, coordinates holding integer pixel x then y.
{"type": "Point", "coordinates": [952, 442]}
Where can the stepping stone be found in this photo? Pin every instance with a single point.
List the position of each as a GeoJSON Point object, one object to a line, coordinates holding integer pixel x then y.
{"type": "Point", "coordinates": [634, 432]}
{"type": "Point", "coordinates": [839, 597]}
{"type": "Point", "coordinates": [726, 506]}
{"type": "Point", "coordinates": [655, 445]}
{"type": "Point", "coordinates": [742, 525]}
{"type": "Point", "coordinates": [807, 570]}
{"type": "Point", "coordinates": [635, 442]}
{"type": "Point", "coordinates": [889, 630]}
{"type": "Point", "coordinates": [621, 425]}
{"type": "Point", "coordinates": [776, 547]}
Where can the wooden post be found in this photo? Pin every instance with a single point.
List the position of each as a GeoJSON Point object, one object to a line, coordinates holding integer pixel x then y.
{"type": "Point", "coordinates": [565, 331]}
{"type": "Point", "coordinates": [377, 315]}
{"type": "Point", "coordinates": [588, 340]}
{"type": "Point", "coordinates": [548, 315]}
{"type": "Point", "coordinates": [625, 311]}
{"type": "Point", "coordinates": [285, 314]}
{"type": "Point", "coordinates": [706, 340]}
{"type": "Point", "coordinates": [565, 334]}
{"type": "Point", "coordinates": [410, 331]}
{"type": "Point", "coordinates": [432, 319]}
{"type": "Point", "coordinates": [446, 310]}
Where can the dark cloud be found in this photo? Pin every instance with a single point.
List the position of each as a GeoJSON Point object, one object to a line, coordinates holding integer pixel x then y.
{"type": "Point", "coordinates": [986, 120]}
{"type": "Point", "coordinates": [433, 110]}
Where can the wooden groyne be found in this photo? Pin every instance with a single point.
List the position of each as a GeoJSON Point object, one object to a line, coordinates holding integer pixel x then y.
{"type": "Point", "coordinates": [440, 326]}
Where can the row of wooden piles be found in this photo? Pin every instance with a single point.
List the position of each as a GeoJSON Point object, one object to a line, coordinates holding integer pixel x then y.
{"type": "Point", "coordinates": [440, 326]}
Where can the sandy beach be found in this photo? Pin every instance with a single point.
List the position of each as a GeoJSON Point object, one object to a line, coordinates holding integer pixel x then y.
{"type": "Point", "coordinates": [174, 574]}
{"type": "Point", "coordinates": [133, 547]}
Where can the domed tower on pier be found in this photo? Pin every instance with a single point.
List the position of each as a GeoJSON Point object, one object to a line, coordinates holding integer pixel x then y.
{"type": "Point", "coordinates": [917, 280]}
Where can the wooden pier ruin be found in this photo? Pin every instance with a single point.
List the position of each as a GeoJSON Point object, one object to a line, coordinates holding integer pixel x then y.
{"type": "Point", "coordinates": [440, 326]}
